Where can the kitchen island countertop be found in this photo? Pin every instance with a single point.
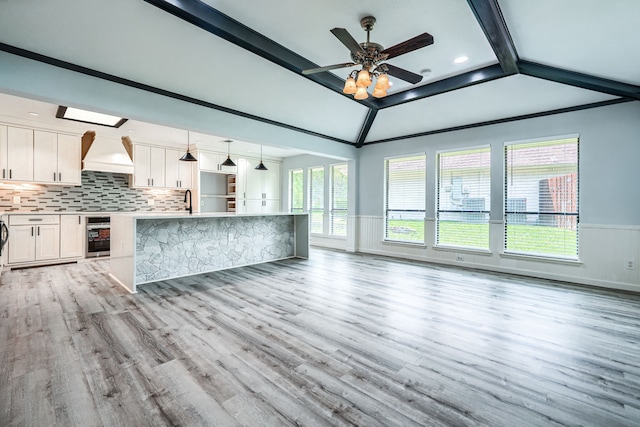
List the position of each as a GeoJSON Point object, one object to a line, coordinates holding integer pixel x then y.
{"type": "Point", "coordinates": [151, 246]}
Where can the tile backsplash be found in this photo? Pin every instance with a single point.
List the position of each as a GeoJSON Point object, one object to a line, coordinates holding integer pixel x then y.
{"type": "Point", "coordinates": [100, 191]}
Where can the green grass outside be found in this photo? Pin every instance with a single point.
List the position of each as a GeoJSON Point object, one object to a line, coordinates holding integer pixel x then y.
{"type": "Point", "coordinates": [533, 239]}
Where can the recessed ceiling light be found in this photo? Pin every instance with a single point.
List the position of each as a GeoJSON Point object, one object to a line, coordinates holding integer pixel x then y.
{"type": "Point", "coordinates": [461, 59]}
{"type": "Point", "coordinates": [425, 72]}
{"type": "Point", "coordinates": [132, 131]}
{"type": "Point", "coordinates": [33, 113]}
{"type": "Point", "coordinates": [91, 117]}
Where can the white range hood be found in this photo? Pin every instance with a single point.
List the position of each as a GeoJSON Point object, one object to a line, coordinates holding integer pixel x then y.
{"type": "Point", "coordinates": [105, 154]}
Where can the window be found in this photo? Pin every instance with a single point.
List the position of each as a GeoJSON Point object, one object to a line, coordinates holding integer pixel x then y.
{"type": "Point", "coordinates": [464, 198]}
{"type": "Point", "coordinates": [316, 199]}
{"type": "Point", "coordinates": [339, 186]}
{"type": "Point", "coordinates": [541, 198]}
{"type": "Point", "coordinates": [296, 190]}
{"type": "Point", "coordinates": [405, 183]}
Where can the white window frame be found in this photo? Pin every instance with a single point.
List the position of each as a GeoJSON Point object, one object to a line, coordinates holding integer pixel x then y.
{"type": "Point", "coordinates": [487, 209]}
{"type": "Point", "coordinates": [385, 239]}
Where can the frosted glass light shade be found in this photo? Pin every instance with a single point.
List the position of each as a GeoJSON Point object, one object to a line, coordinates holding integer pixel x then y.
{"type": "Point", "coordinates": [350, 86]}
{"type": "Point", "coordinates": [383, 82]}
{"type": "Point", "coordinates": [379, 93]}
{"type": "Point", "coordinates": [364, 78]}
{"type": "Point", "coordinates": [361, 93]}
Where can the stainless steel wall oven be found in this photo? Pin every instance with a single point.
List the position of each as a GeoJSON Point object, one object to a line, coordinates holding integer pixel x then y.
{"type": "Point", "coordinates": [98, 236]}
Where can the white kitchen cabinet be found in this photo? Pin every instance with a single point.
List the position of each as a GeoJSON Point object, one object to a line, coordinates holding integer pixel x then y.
{"type": "Point", "coordinates": [72, 236]}
{"type": "Point", "coordinates": [178, 173]}
{"type": "Point", "coordinates": [149, 166]}
{"type": "Point", "coordinates": [33, 238]}
{"type": "Point", "coordinates": [56, 158]}
{"type": "Point", "coordinates": [16, 153]}
{"type": "Point", "coordinates": [257, 191]}
{"type": "Point", "coordinates": [212, 162]}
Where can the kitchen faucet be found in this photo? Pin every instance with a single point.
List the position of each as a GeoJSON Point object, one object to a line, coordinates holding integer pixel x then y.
{"type": "Point", "coordinates": [190, 208]}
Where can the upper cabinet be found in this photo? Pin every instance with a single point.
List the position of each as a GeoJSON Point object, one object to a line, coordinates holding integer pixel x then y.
{"type": "Point", "coordinates": [212, 162]}
{"type": "Point", "coordinates": [159, 167]}
{"type": "Point", "coordinates": [149, 166]}
{"type": "Point", "coordinates": [178, 173]}
{"type": "Point", "coordinates": [29, 155]}
{"type": "Point", "coordinates": [56, 158]}
{"type": "Point", "coordinates": [16, 153]}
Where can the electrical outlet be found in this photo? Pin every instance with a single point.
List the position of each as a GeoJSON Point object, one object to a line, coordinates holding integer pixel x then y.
{"type": "Point", "coordinates": [630, 264]}
{"type": "Point", "coordinates": [460, 258]}
{"type": "Point", "coordinates": [16, 200]}
{"type": "Point", "coordinates": [151, 202]}
{"type": "Point", "coordinates": [230, 236]}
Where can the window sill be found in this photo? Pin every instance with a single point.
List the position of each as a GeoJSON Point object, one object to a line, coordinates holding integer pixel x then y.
{"type": "Point", "coordinates": [328, 236]}
{"type": "Point", "coordinates": [462, 249]}
{"type": "Point", "coordinates": [538, 258]}
{"type": "Point", "coordinates": [405, 244]}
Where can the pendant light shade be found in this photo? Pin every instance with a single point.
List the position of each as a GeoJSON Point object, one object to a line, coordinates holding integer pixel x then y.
{"type": "Point", "coordinates": [261, 166]}
{"type": "Point", "coordinates": [228, 162]}
{"type": "Point", "coordinates": [188, 157]}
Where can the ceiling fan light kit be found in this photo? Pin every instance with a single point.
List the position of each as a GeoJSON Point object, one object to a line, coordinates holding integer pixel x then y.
{"type": "Point", "coordinates": [371, 57]}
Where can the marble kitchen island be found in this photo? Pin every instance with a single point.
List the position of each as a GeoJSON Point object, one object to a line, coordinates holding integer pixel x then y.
{"type": "Point", "coordinates": [148, 247]}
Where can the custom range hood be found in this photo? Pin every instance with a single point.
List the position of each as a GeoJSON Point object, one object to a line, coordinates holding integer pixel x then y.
{"type": "Point", "coordinates": [105, 154]}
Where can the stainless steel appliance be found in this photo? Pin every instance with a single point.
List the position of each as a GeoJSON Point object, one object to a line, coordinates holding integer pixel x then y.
{"type": "Point", "coordinates": [98, 236]}
{"type": "Point", "coordinates": [4, 237]}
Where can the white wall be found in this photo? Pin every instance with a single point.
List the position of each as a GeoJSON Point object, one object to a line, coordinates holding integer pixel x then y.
{"type": "Point", "coordinates": [609, 198]}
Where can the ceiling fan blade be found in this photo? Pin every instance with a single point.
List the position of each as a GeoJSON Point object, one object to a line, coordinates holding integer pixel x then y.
{"type": "Point", "coordinates": [347, 40]}
{"type": "Point", "coordinates": [327, 68]}
{"type": "Point", "coordinates": [423, 40]}
{"type": "Point", "coordinates": [403, 74]}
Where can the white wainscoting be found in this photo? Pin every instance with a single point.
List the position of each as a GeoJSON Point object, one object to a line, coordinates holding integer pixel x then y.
{"type": "Point", "coordinates": [604, 253]}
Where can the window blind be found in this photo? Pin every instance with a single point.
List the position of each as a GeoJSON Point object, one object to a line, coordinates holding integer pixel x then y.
{"type": "Point", "coordinates": [339, 191]}
{"type": "Point", "coordinates": [541, 198]}
{"type": "Point", "coordinates": [316, 199]}
{"type": "Point", "coordinates": [296, 188]}
{"type": "Point", "coordinates": [405, 194]}
{"type": "Point", "coordinates": [464, 198]}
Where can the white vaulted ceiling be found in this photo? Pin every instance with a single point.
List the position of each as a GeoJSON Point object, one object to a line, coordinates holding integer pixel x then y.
{"type": "Point", "coordinates": [567, 54]}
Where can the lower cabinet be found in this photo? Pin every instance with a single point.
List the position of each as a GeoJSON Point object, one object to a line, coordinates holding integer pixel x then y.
{"type": "Point", "coordinates": [72, 236]}
{"type": "Point", "coordinates": [34, 238]}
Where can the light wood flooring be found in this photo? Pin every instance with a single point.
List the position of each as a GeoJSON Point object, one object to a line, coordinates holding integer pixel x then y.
{"type": "Point", "coordinates": [339, 339]}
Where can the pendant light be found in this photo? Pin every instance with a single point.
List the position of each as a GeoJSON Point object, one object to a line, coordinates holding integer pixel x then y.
{"type": "Point", "coordinates": [228, 162]}
{"type": "Point", "coordinates": [261, 166]}
{"type": "Point", "coordinates": [188, 157]}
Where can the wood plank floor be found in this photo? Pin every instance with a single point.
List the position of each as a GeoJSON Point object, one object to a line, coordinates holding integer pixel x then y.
{"type": "Point", "coordinates": [339, 339]}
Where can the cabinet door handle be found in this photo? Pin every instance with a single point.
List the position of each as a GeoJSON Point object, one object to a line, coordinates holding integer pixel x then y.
{"type": "Point", "coordinates": [54, 176]}
{"type": "Point", "coordinates": [79, 220]}
{"type": "Point", "coordinates": [31, 231]}
{"type": "Point", "coordinates": [35, 219]}
{"type": "Point", "coordinates": [148, 181]}
{"type": "Point", "coordinates": [152, 182]}
{"type": "Point", "coordinates": [4, 173]}
{"type": "Point", "coordinates": [10, 173]}
{"type": "Point", "coordinates": [59, 176]}
{"type": "Point", "coordinates": [38, 231]}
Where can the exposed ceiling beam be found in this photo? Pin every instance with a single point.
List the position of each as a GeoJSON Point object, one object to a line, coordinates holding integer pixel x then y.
{"type": "Point", "coordinates": [460, 81]}
{"type": "Point", "coordinates": [492, 22]}
{"type": "Point", "coordinates": [366, 126]}
{"type": "Point", "coordinates": [584, 81]}
{"type": "Point", "coordinates": [221, 25]}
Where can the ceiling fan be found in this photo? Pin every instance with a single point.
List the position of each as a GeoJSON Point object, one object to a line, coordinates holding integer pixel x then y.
{"type": "Point", "coordinates": [371, 56]}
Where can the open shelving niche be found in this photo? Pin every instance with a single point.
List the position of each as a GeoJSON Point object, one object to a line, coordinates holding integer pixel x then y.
{"type": "Point", "coordinates": [217, 192]}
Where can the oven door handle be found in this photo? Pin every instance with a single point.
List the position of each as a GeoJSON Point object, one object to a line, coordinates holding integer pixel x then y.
{"type": "Point", "coordinates": [95, 227]}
